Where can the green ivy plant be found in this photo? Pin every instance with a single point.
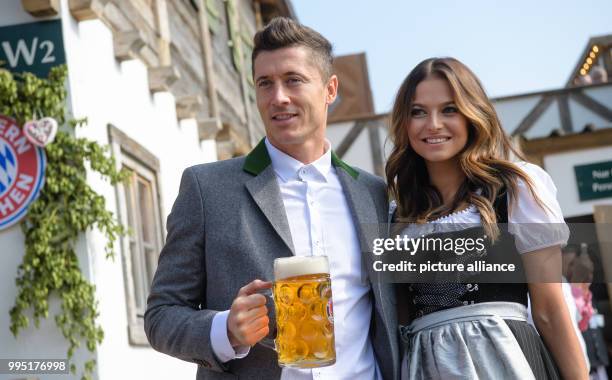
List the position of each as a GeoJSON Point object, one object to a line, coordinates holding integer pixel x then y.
{"type": "Point", "coordinates": [66, 207]}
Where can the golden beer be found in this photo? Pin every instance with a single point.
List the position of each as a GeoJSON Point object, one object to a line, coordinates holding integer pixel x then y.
{"type": "Point", "coordinates": [304, 312]}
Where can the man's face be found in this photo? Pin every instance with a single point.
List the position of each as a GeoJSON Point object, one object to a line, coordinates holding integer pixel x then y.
{"type": "Point", "coordinates": [292, 96]}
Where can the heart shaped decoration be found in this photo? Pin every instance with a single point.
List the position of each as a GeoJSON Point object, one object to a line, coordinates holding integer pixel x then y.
{"type": "Point", "coordinates": [41, 132]}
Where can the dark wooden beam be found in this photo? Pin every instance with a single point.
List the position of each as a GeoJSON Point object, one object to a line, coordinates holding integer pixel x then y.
{"type": "Point", "coordinates": [534, 115]}
{"type": "Point", "coordinates": [607, 58]}
{"type": "Point", "coordinates": [564, 113]}
{"type": "Point", "coordinates": [350, 138]}
{"type": "Point", "coordinates": [376, 149]}
{"type": "Point", "coordinates": [574, 142]}
{"type": "Point", "coordinates": [592, 105]}
{"type": "Point", "coordinates": [41, 8]}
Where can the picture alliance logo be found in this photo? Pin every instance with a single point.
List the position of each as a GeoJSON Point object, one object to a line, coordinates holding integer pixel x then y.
{"type": "Point", "coordinates": [22, 172]}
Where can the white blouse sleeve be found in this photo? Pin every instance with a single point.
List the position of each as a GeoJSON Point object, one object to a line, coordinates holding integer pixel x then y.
{"type": "Point", "coordinates": [533, 226]}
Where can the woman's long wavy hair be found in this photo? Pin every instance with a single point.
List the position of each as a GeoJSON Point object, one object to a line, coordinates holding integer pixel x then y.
{"type": "Point", "coordinates": [485, 160]}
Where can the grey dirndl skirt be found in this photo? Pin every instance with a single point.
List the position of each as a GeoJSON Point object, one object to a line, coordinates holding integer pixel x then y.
{"type": "Point", "coordinates": [490, 340]}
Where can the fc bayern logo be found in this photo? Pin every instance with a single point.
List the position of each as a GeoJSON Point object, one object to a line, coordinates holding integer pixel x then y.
{"type": "Point", "coordinates": [22, 172]}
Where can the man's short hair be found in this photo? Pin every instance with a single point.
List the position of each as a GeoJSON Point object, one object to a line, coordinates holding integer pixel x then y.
{"type": "Point", "coordinates": [283, 32]}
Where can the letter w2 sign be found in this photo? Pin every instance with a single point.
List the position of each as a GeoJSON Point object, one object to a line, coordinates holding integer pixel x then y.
{"type": "Point", "coordinates": [34, 47]}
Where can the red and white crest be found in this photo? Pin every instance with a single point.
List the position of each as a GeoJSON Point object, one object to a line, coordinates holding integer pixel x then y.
{"type": "Point", "coordinates": [22, 172]}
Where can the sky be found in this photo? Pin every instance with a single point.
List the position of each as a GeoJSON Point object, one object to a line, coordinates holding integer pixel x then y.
{"type": "Point", "coordinates": [514, 47]}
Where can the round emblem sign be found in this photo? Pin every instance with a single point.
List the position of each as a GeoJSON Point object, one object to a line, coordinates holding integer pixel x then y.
{"type": "Point", "coordinates": [22, 172]}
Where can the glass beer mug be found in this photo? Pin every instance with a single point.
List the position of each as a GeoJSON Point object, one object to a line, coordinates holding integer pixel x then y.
{"type": "Point", "coordinates": [304, 312]}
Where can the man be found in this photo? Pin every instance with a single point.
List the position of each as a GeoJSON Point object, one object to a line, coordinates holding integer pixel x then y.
{"type": "Point", "coordinates": [290, 196]}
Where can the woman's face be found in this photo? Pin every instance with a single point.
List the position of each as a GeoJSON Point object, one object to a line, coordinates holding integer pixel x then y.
{"type": "Point", "coordinates": [437, 131]}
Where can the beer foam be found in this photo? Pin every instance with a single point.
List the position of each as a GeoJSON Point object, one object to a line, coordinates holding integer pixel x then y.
{"type": "Point", "coordinates": [299, 266]}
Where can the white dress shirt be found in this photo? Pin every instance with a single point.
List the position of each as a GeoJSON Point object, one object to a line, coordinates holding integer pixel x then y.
{"type": "Point", "coordinates": [320, 222]}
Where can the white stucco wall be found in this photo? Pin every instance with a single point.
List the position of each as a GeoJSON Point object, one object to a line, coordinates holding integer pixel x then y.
{"type": "Point", "coordinates": [106, 92]}
{"type": "Point", "coordinates": [561, 168]}
{"type": "Point", "coordinates": [45, 342]}
{"type": "Point", "coordinates": [511, 112]}
{"type": "Point", "coordinates": [360, 152]}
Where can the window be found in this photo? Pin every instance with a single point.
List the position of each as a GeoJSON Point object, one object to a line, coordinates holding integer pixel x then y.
{"type": "Point", "coordinates": [144, 240]}
{"type": "Point", "coordinates": [139, 209]}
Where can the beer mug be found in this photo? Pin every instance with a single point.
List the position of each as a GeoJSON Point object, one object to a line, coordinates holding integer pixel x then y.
{"type": "Point", "coordinates": [304, 313]}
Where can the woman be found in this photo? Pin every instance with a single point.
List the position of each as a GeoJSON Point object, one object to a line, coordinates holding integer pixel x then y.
{"type": "Point", "coordinates": [451, 167]}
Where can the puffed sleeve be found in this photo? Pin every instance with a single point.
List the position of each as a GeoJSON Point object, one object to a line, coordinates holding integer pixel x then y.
{"type": "Point", "coordinates": [536, 226]}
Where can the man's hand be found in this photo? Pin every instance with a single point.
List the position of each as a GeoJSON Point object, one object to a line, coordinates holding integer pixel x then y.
{"type": "Point", "coordinates": [248, 320]}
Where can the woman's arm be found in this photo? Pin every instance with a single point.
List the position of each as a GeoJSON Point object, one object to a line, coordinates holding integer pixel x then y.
{"type": "Point", "coordinates": [550, 313]}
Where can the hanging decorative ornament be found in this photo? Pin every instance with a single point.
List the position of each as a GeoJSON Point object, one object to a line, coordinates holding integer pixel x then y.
{"type": "Point", "coordinates": [22, 172]}
{"type": "Point", "coordinates": [40, 132]}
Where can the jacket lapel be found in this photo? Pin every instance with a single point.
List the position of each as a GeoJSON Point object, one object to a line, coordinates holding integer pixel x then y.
{"type": "Point", "coordinates": [265, 192]}
{"type": "Point", "coordinates": [365, 217]}
{"type": "Point", "coordinates": [363, 211]}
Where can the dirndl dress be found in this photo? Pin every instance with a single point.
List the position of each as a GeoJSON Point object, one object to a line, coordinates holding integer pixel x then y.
{"type": "Point", "coordinates": [472, 330]}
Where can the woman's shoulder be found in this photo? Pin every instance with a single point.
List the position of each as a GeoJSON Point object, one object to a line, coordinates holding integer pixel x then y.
{"type": "Point", "coordinates": [529, 209]}
{"type": "Point", "coordinates": [536, 219]}
{"type": "Point", "coordinates": [538, 176]}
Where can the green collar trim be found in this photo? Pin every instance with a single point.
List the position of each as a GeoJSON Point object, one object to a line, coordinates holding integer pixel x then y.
{"type": "Point", "coordinates": [337, 162]}
{"type": "Point", "coordinates": [259, 159]}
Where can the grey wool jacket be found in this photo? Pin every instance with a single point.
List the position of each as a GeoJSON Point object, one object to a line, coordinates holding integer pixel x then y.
{"type": "Point", "coordinates": [226, 227]}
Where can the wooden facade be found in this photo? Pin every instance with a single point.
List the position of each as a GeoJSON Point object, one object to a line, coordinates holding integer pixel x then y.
{"type": "Point", "coordinates": [536, 149]}
{"type": "Point", "coordinates": [198, 50]}
{"type": "Point", "coordinates": [597, 52]}
{"type": "Point", "coordinates": [579, 95]}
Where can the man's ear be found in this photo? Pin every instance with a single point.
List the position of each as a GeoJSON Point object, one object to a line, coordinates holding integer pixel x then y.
{"type": "Point", "coordinates": [332, 89]}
